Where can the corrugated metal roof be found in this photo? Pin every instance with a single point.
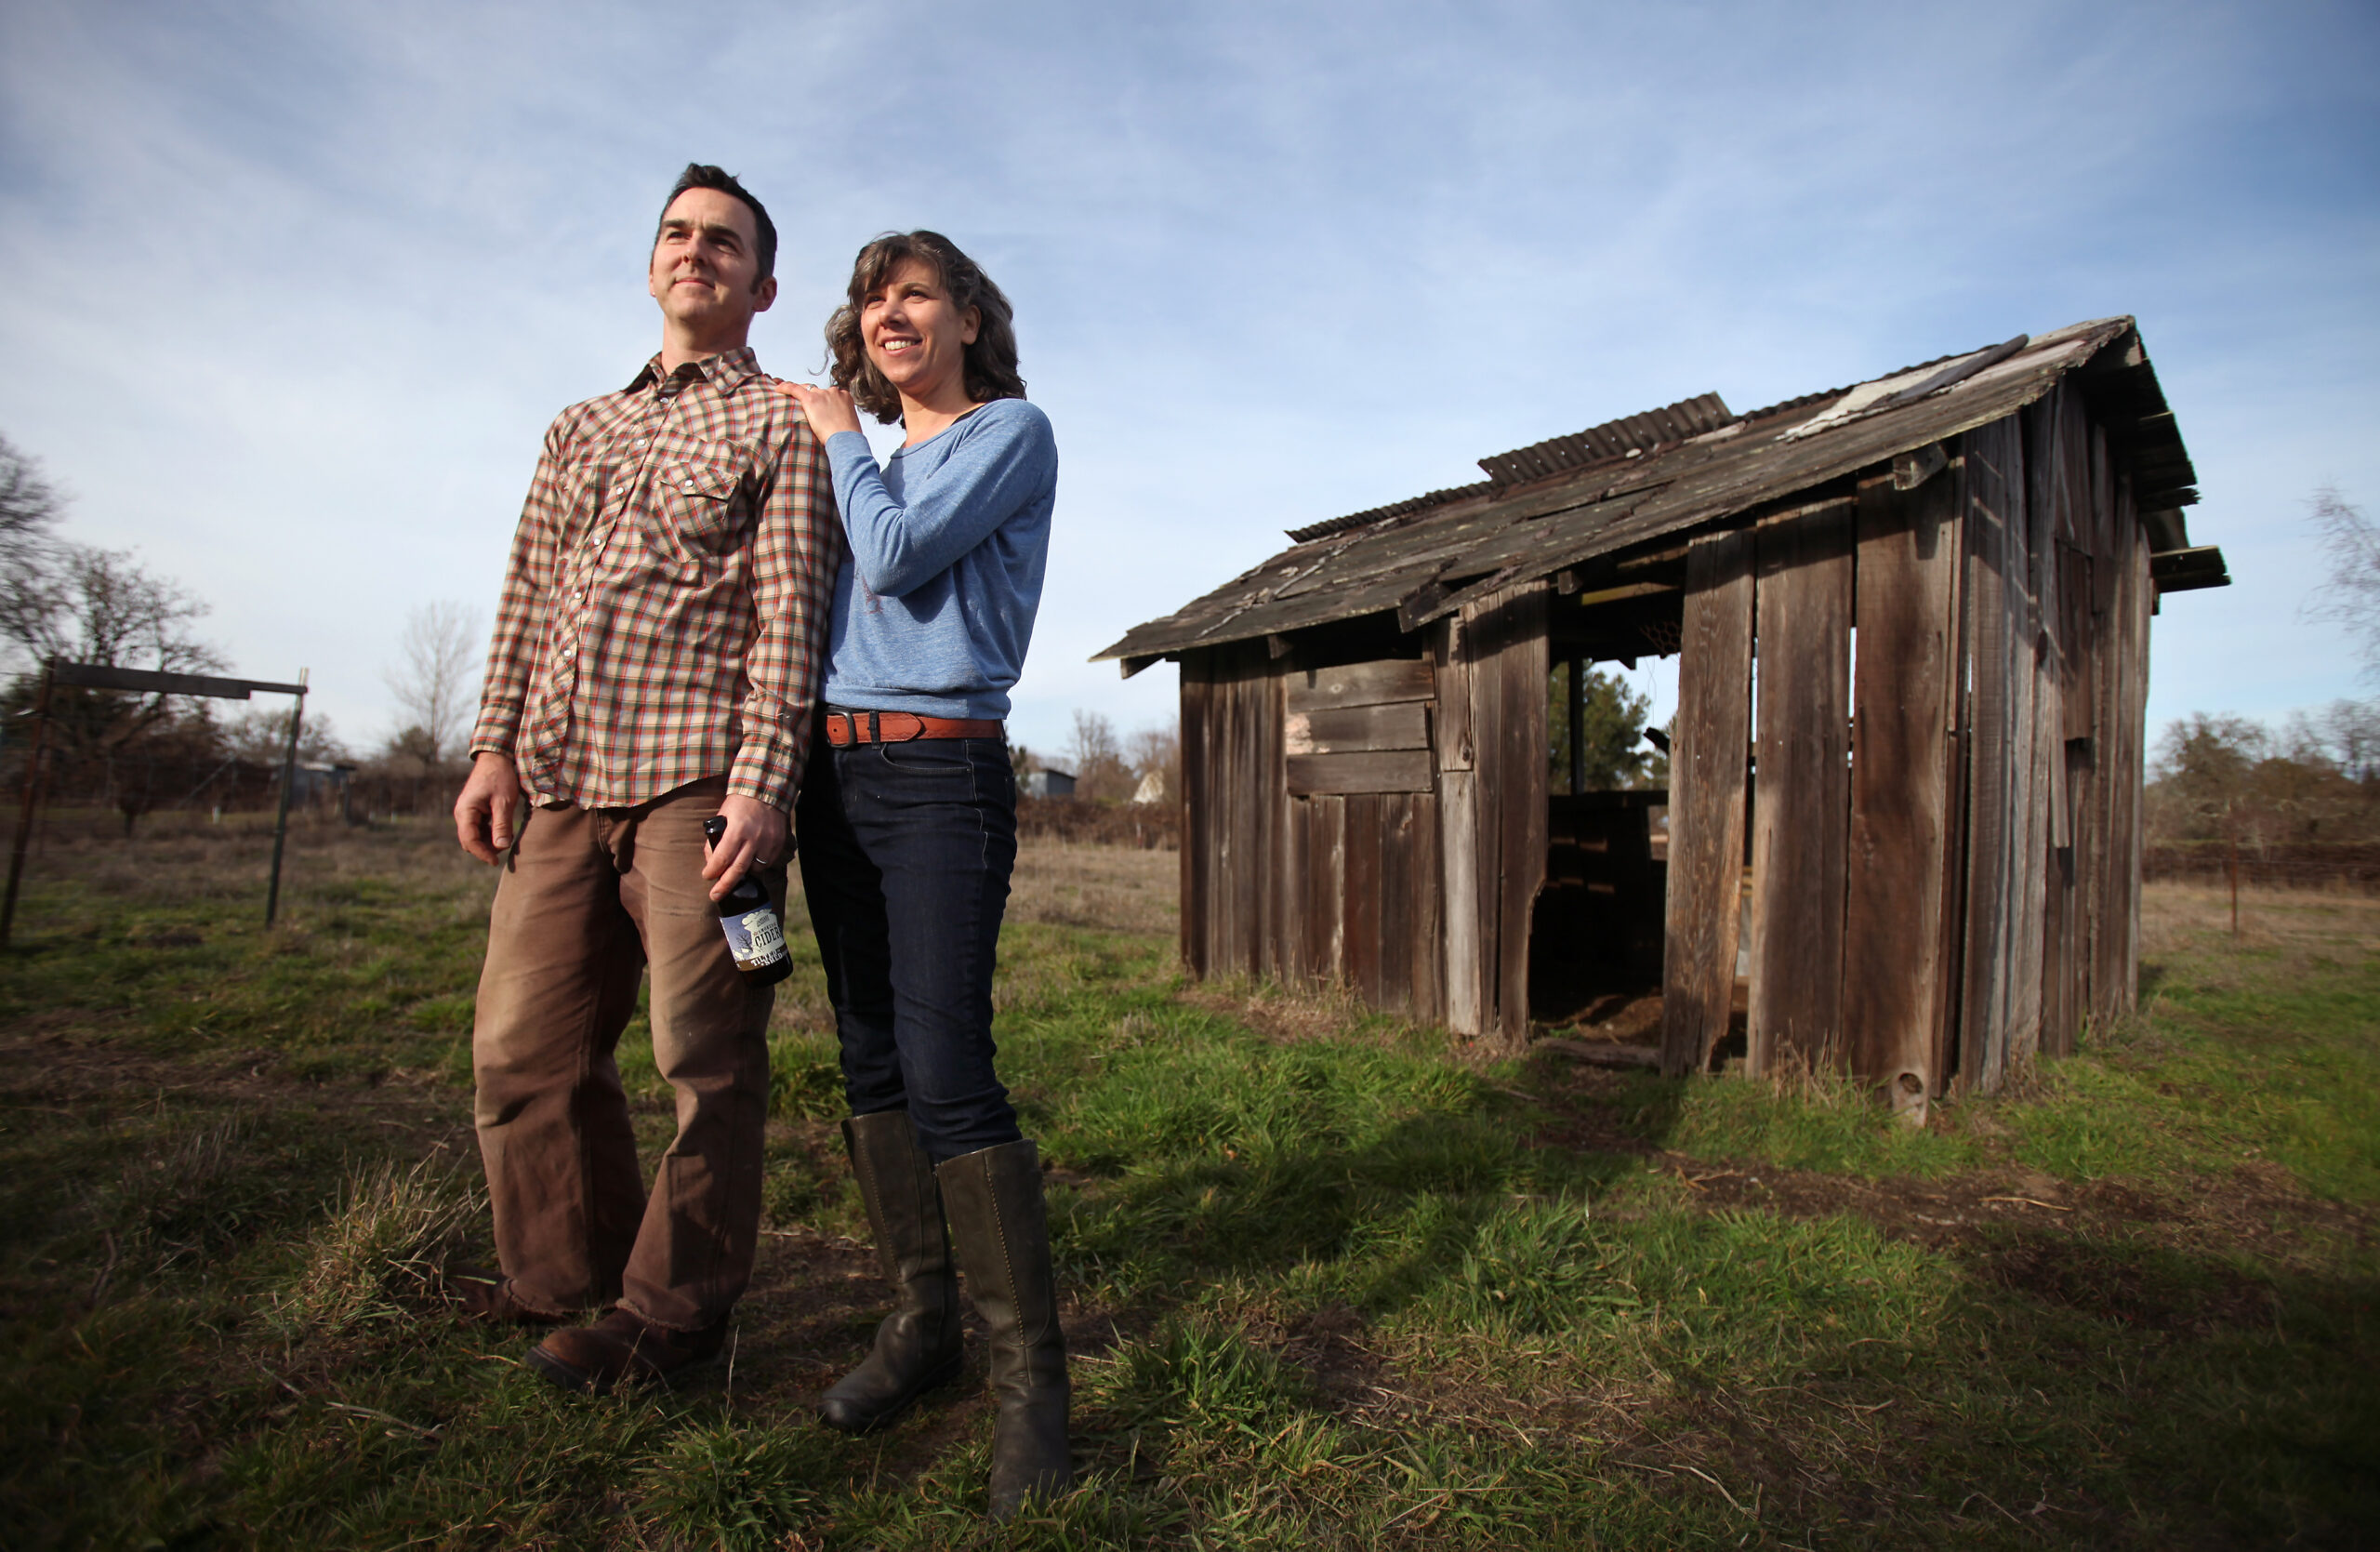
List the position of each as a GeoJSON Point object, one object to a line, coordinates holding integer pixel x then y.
{"type": "Point", "coordinates": [1427, 557]}
{"type": "Point", "coordinates": [1613, 439]}
{"type": "Point", "coordinates": [1411, 504]}
{"type": "Point", "coordinates": [1628, 435]}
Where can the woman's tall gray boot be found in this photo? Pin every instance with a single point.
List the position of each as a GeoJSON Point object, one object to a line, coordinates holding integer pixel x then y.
{"type": "Point", "coordinates": [917, 1347]}
{"type": "Point", "coordinates": [1001, 1226]}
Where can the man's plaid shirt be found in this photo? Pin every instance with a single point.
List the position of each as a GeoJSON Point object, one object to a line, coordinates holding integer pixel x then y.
{"type": "Point", "coordinates": [664, 614]}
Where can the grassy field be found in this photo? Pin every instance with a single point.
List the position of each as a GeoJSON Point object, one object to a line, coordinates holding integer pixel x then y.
{"type": "Point", "coordinates": [1335, 1282]}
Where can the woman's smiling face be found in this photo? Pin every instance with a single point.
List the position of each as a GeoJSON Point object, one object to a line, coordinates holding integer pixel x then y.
{"type": "Point", "coordinates": [915, 337]}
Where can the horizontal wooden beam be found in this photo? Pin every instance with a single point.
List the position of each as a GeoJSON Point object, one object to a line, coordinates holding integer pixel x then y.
{"type": "Point", "coordinates": [1357, 729]}
{"type": "Point", "coordinates": [1626, 590]}
{"type": "Point", "coordinates": [1912, 470]}
{"type": "Point", "coordinates": [1387, 771]}
{"type": "Point", "coordinates": [100, 676]}
{"type": "Point", "coordinates": [1370, 684]}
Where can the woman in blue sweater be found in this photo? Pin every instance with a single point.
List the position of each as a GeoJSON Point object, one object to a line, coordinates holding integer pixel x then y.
{"type": "Point", "coordinates": [907, 824]}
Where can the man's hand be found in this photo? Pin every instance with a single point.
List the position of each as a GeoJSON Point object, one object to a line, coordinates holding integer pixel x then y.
{"type": "Point", "coordinates": [755, 837]}
{"type": "Point", "coordinates": [829, 410]}
{"type": "Point", "coordinates": [484, 814]}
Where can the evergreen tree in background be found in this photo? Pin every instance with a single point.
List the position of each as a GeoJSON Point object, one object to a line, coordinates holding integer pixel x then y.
{"type": "Point", "coordinates": [1613, 725]}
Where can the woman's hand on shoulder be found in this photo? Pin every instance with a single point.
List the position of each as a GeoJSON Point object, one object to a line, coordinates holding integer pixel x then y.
{"type": "Point", "coordinates": [829, 410]}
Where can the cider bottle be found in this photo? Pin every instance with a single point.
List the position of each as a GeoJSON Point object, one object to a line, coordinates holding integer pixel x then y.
{"type": "Point", "coordinates": [755, 935]}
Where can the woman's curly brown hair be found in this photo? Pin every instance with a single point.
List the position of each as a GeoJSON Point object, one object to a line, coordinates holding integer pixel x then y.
{"type": "Point", "coordinates": [991, 360]}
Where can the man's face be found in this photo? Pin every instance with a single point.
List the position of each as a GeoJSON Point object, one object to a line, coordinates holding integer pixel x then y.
{"type": "Point", "coordinates": [706, 264]}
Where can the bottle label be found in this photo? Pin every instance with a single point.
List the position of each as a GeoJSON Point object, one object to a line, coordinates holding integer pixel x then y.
{"type": "Point", "coordinates": [754, 939]}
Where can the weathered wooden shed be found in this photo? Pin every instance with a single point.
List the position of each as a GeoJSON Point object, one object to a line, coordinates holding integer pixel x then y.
{"type": "Point", "coordinates": [1903, 823]}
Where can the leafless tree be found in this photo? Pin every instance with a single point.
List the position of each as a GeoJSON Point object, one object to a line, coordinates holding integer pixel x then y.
{"type": "Point", "coordinates": [435, 679]}
{"type": "Point", "coordinates": [28, 504]}
{"type": "Point", "coordinates": [1156, 752]}
{"type": "Point", "coordinates": [93, 606]}
{"type": "Point", "coordinates": [1100, 771]}
{"type": "Point", "coordinates": [2350, 596]}
{"type": "Point", "coordinates": [30, 508]}
{"type": "Point", "coordinates": [261, 737]}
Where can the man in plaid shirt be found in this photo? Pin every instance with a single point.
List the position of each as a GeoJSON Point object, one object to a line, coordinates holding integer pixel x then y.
{"type": "Point", "coordinates": [655, 662]}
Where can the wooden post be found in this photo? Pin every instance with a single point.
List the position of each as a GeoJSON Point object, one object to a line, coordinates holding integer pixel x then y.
{"type": "Point", "coordinates": [2232, 861]}
{"type": "Point", "coordinates": [33, 800]}
{"type": "Point", "coordinates": [1578, 732]}
{"type": "Point", "coordinates": [1905, 605]}
{"type": "Point", "coordinates": [1707, 802]}
{"type": "Point", "coordinates": [289, 780]}
{"type": "Point", "coordinates": [1800, 814]}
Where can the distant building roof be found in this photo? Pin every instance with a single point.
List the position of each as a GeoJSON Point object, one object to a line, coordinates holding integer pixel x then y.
{"type": "Point", "coordinates": [1562, 502]}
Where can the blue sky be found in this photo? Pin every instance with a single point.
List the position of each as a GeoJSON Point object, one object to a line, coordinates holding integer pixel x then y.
{"type": "Point", "coordinates": [291, 291]}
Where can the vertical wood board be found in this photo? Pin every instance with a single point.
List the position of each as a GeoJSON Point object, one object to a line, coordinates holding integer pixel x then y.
{"type": "Point", "coordinates": [1905, 603]}
{"type": "Point", "coordinates": [1992, 642]}
{"type": "Point", "coordinates": [1707, 800]}
{"type": "Point", "coordinates": [1800, 814]}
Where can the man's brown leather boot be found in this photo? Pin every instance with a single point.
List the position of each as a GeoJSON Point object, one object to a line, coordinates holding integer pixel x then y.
{"type": "Point", "coordinates": [623, 1345]}
{"type": "Point", "coordinates": [486, 1299]}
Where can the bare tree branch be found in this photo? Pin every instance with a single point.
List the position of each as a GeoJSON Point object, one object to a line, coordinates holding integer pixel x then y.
{"type": "Point", "coordinates": [30, 508]}
{"type": "Point", "coordinates": [436, 678]}
{"type": "Point", "coordinates": [1100, 771]}
{"type": "Point", "coordinates": [2350, 596]}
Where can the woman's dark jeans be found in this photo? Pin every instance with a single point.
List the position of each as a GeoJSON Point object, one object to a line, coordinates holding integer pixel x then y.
{"type": "Point", "coordinates": [905, 853]}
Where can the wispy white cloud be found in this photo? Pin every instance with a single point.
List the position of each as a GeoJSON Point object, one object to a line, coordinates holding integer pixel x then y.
{"type": "Point", "coordinates": [293, 289]}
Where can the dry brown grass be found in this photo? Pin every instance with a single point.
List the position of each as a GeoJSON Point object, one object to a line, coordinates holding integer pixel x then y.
{"type": "Point", "coordinates": [1119, 889]}
{"type": "Point", "coordinates": [383, 1247]}
{"type": "Point", "coordinates": [2174, 916]}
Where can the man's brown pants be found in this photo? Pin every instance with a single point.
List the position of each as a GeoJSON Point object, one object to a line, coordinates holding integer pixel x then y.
{"type": "Point", "coordinates": [588, 899]}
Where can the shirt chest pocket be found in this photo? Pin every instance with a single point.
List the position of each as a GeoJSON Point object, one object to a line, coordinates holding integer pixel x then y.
{"type": "Point", "coordinates": [702, 499]}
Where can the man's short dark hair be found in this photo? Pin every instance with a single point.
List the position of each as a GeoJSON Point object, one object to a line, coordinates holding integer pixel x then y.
{"type": "Point", "coordinates": [701, 175]}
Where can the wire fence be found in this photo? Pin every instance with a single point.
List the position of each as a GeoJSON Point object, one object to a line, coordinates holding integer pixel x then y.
{"type": "Point", "coordinates": [2351, 867]}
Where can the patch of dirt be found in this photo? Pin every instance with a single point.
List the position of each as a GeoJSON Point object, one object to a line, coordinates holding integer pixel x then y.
{"type": "Point", "coordinates": [1619, 1017]}
{"type": "Point", "coordinates": [1328, 1346]}
{"type": "Point", "coordinates": [2064, 1269]}
{"type": "Point", "coordinates": [2245, 1211]}
{"type": "Point", "coordinates": [73, 1062]}
{"type": "Point", "coordinates": [2256, 1208]}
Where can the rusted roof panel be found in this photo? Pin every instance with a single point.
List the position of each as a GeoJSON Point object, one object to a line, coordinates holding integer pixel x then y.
{"type": "Point", "coordinates": [1313, 531]}
{"type": "Point", "coordinates": [1613, 439]}
{"type": "Point", "coordinates": [1431, 556]}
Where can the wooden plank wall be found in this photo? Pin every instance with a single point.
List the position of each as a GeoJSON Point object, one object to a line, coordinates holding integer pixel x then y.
{"type": "Point", "coordinates": [1947, 836]}
{"type": "Point", "coordinates": [1950, 887]}
{"type": "Point", "coordinates": [1316, 875]}
{"type": "Point", "coordinates": [1707, 769]}
{"type": "Point", "coordinates": [1801, 818]}
{"type": "Point", "coordinates": [1492, 662]}
{"type": "Point", "coordinates": [2057, 602]}
{"type": "Point", "coordinates": [1236, 906]}
{"type": "Point", "coordinates": [1904, 743]}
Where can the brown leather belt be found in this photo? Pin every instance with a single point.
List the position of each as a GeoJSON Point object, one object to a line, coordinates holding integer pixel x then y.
{"type": "Point", "coordinates": [845, 728]}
